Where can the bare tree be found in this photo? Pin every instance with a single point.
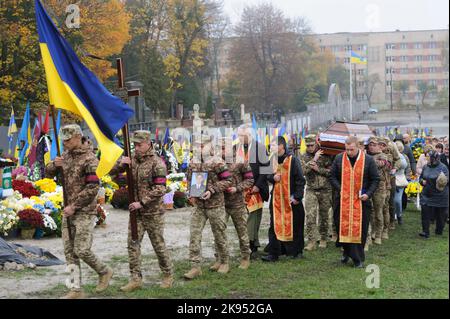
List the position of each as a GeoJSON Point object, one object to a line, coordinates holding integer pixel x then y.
{"type": "Point", "coordinates": [371, 81]}
{"type": "Point", "coordinates": [268, 54]}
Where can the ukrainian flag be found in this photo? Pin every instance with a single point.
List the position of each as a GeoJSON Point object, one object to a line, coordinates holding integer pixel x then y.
{"type": "Point", "coordinates": [357, 59]}
{"type": "Point", "coordinates": [73, 87]}
{"type": "Point", "coordinates": [12, 129]}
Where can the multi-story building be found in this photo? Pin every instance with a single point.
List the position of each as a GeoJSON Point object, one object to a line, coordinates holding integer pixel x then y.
{"type": "Point", "coordinates": [402, 60]}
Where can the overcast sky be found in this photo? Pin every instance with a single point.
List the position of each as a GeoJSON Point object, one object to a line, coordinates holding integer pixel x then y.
{"type": "Point", "coordinates": [330, 16]}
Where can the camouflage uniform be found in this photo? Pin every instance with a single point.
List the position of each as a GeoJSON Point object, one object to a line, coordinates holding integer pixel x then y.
{"type": "Point", "coordinates": [149, 175]}
{"type": "Point", "coordinates": [219, 179]}
{"type": "Point", "coordinates": [318, 193]}
{"type": "Point", "coordinates": [81, 187]}
{"type": "Point", "coordinates": [397, 163]}
{"type": "Point", "coordinates": [235, 204]}
{"type": "Point", "coordinates": [378, 220]}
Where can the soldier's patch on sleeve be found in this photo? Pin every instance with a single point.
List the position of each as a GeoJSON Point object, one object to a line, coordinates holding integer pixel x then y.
{"type": "Point", "coordinates": [248, 175]}
{"type": "Point", "coordinates": [225, 174]}
{"type": "Point", "coordinates": [159, 175]}
{"type": "Point", "coordinates": [90, 175]}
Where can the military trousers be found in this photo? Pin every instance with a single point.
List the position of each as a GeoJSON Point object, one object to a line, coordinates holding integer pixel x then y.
{"type": "Point", "coordinates": [80, 245]}
{"type": "Point", "coordinates": [153, 225]}
{"type": "Point", "coordinates": [377, 216]}
{"type": "Point", "coordinates": [386, 211]}
{"type": "Point", "coordinates": [216, 217]}
{"type": "Point", "coordinates": [239, 218]}
{"type": "Point", "coordinates": [317, 206]}
{"type": "Point", "coordinates": [253, 225]}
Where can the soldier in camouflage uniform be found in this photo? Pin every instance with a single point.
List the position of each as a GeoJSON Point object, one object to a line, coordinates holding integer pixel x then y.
{"type": "Point", "coordinates": [235, 207]}
{"type": "Point", "coordinates": [393, 161]}
{"type": "Point", "coordinates": [149, 175]}
{"type": "Point", "coordinates": [378, 220]}
{"type": "Point", "coordinates": [318, 194]}
{"type": "Point", "coordinates": [79, 166]}
{"type": "Point", "coordinates": [210, 206]}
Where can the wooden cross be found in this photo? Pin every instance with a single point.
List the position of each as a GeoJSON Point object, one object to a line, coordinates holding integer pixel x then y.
{"type": "Point", "coordinates": [123, 93]}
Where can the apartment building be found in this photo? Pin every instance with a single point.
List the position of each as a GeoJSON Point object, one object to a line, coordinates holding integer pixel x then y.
{"type": "Point", "coordinates": [408, 57]}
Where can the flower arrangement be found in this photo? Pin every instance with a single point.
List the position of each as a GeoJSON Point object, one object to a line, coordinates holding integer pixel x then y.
{"type": "Point", "coordinates": [46, 185]}
{"type": "Point", "coordinates": [417, 147]}
{"type": "Point", "coordinates": [110, 187]}
{"type": "Point", "coordinates": [20, 173]}
{"type": "Point", "coordinates": [101, 215]}
{"type": "Point", "coordinates": [413, 189]}
{"type": "Point", "coordinates": [30, 218]}
{"type": "Point", "coordinates": [25, 188]}
{"type": "Point", "coordinates": [8, 220]}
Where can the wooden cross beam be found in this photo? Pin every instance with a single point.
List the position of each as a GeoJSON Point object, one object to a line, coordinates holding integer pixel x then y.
{"type": "Point", "coordinates": [123, 93]}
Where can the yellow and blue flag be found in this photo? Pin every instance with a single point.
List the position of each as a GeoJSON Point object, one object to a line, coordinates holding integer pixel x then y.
{"type": "Point", "coordinates": [73, 87]}
{"type": "Point", "coordinates": [357, 59]}
{"type": "Point", "coordinates": [12, 129]}
{"type": "Point", "coordinates": [24, 138]}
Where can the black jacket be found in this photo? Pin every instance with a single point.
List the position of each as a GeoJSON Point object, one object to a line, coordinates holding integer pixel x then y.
{"type": "Point", "coordinates": [259, 163]}
{"type": "Point", "coordinates": [370, 180]}
{"type": "Point", "coordinates": [412, 161]}
{"type": "Point", "coordinates": [297, 180]}
{"type": "Point", "coordinates": [444, 160]}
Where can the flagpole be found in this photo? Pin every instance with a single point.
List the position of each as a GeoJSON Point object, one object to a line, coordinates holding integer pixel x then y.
{"type": "Point", "coordinates": [59, 169]}
{"type": "Point", "coordinates": [351, 88]}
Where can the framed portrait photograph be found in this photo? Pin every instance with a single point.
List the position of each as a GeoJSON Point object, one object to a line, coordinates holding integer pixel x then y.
{"type": "Point", "coordinates": [198, 184]}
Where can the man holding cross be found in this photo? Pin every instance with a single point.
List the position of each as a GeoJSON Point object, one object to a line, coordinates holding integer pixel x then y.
{"type": "Point", "coordinates": [149, 176]}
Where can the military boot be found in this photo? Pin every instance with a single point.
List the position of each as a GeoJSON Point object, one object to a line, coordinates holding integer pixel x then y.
{"type": "Point", "coordinates": [135, 283]}
{"type": "Point", "coordinates": [377, 241]}
{"type": "Point", "coordinates": [366, 246]}
{"type": "Point", "coordinates": [167, 282]}
{"type": "Point", "coordinates": [245, 263]}
{"type": "Point", "coordinates": [103, 280]}
{"type": "Point", "coordinates": [323, 244]}
{"type": "Point", "coordinates": [194, 272]}
{"type": "Point", "coordinates": [215, 266]}
{"type": "Point", "coordinates": [74, 294]}
{"type": "Point", "coordinates": [223, 269]}
{"type": "Point", "coordinates": [385, 235]}
{"type": "Point", "coordinates": [311, 245]}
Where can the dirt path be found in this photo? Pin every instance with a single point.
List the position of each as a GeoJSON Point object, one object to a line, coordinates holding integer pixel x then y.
{"type": "Point", "coordinates": [110, 246]}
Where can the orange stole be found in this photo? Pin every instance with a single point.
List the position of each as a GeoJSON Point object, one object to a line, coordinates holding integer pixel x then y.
{"type": "Point", "coordinates": [252, 201]}
{"type": "Point", "coordinates": [350, 229]}
{"type": "Point", "coordinates": [281, 203]}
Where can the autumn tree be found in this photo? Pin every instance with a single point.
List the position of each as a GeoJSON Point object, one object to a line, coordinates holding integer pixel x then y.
{"type": "Point", "coordinates": [274, 60]}
{"type": "Point", "coordinates": [22, 75]}
{"type": "Point", "coordinates": [103, 31]}
{"type": "Point", "coordinates": [185, 43]}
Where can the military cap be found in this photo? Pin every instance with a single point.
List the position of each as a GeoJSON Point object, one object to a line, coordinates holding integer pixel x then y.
{"type": "Point", "coordinates": [310, 139]}
{"type": "Point", "coordinates": [141, 136]}
{"type": "Point", "coordinates": [441, 182]}
{"type": "Point", "coordinates": [373, 139]}
{"type": "Point", "coordinates": [68, 131]}
{"type": "Point", "coordinates": [383, 140]}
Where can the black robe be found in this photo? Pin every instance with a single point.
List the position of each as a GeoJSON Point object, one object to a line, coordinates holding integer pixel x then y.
{"type": "Point", "coordinates": [297, 181]}
{"type": "Point", "coordinates": [371, 180]}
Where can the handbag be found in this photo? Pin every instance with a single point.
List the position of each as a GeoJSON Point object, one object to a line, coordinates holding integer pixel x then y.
{"type": "Point", "coordinates": [401, 181]}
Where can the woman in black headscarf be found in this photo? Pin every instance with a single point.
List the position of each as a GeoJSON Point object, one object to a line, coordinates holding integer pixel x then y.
{"type": "Point", "coordinates": [434, 196]}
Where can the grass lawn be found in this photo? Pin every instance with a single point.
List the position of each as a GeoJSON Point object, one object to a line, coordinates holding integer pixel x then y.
{"type": "Point", "coordinates": [410, 267]}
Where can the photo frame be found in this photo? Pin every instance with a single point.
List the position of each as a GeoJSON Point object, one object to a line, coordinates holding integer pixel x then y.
{"type": "Point", "coordinates": [198, 184]}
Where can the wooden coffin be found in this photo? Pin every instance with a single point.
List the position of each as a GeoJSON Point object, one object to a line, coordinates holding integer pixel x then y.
{"type": "Point", "coordinates": [332, 140]}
